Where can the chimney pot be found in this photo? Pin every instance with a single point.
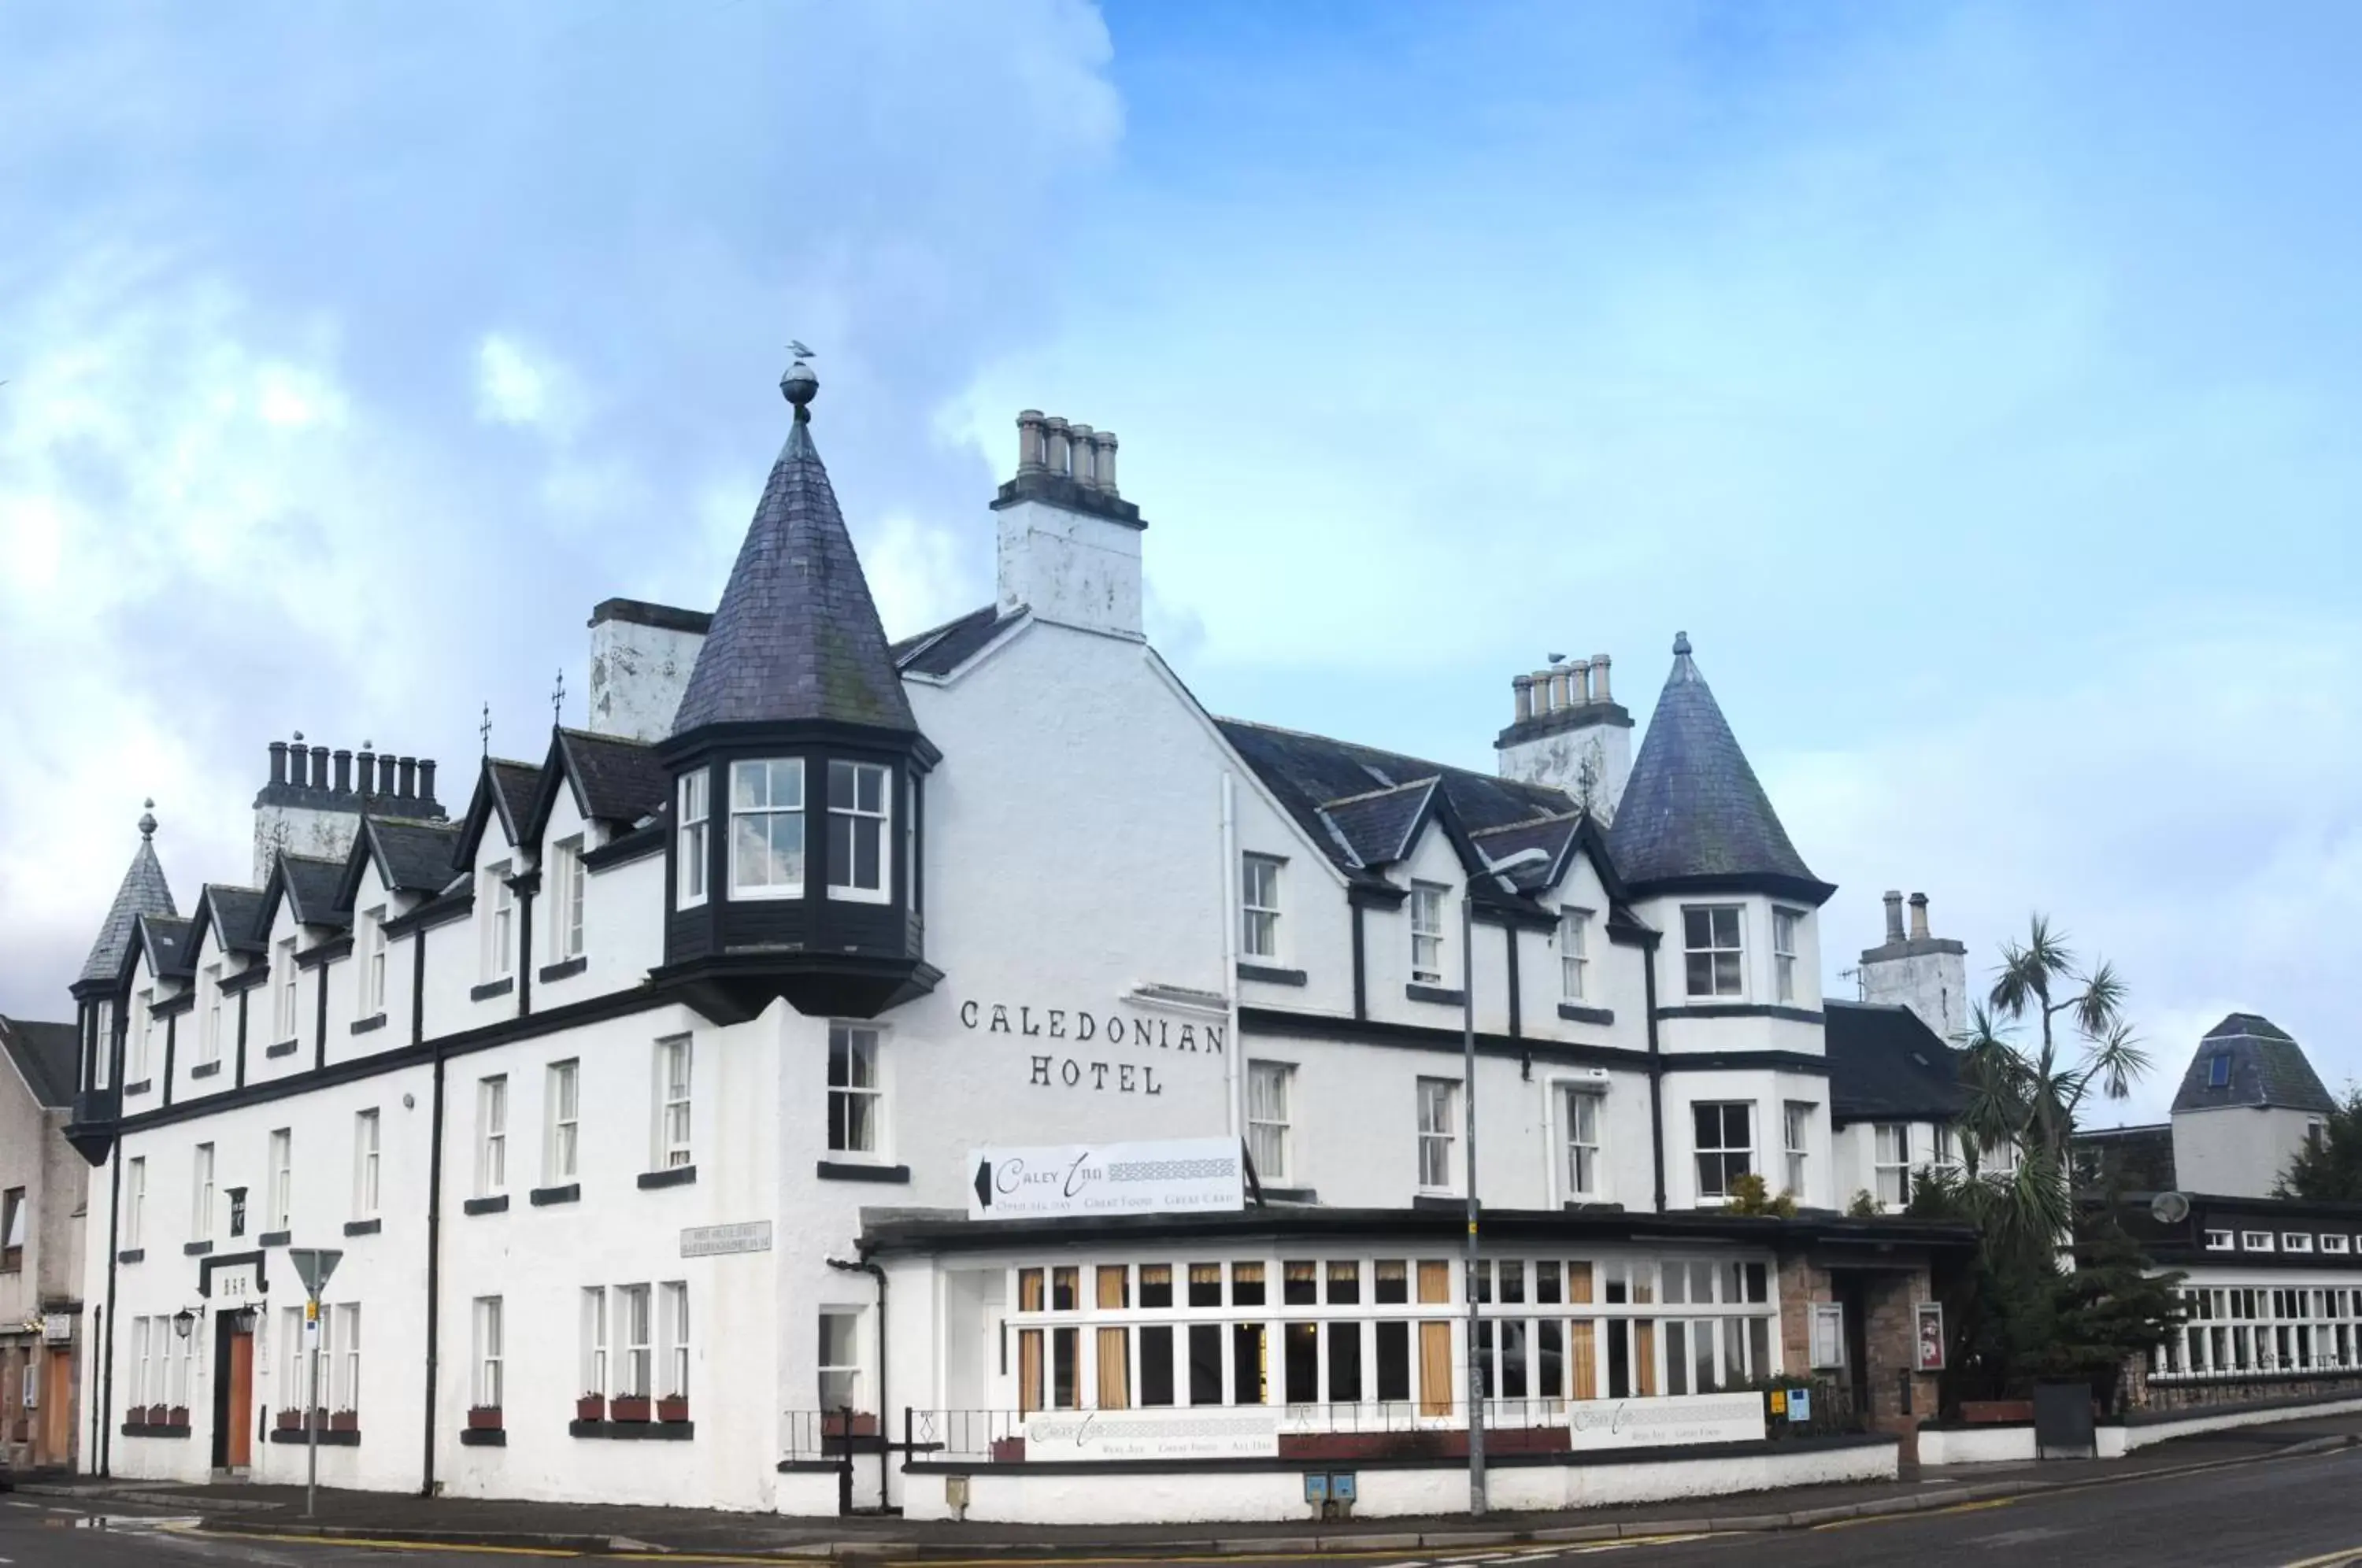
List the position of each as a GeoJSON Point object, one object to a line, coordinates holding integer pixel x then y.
{"type": "Point", "coordinates": [1895, 916]}
{"type": "Point", "coordinates": [365, 774]}
{"type": "Point", "coordinates": [1028, 442]}
{"type": "Point", "coordinates": [1105, 441]}
{"type": "Point", "coordinates": [1054, 449]}
{"type": "Point", "coordinates": [278, 762]}
{"type": "Point", "coordinates": [409, 776]}
{"type": "Point", "coordinates": [1918, 916]}
{"type": "Point", "coordinates": [1083, 453]}
{"type": "Point", "coordinates": [1578, 684]}
{"type": "Point", "coordinates": [344, 771]}
{"type": "Point", "coordinates": [1523, 686]}
{"type": "Point", "coordinates": [426, 778]}
{"type": "Point", "coordinates": [1543, 693]}
{"type": "Point", "coordinates": [1599, 662]}
{"type": "Point", "coordinates": [319, 768]}
{"type": "Point", "coordinates": [384, 785]}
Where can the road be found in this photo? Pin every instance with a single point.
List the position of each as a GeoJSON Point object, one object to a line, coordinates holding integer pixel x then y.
{"type": "Point", "coordinates": [2280, 1513]}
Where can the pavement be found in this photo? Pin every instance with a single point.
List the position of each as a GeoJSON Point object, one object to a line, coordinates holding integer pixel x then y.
{"type": "Point", "coordinates": [2279, 1488]}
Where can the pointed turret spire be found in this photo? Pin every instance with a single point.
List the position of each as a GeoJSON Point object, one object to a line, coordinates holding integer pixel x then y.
{"type": "Point", "coordinates": [796, 634]}
{"type": "Point", "coordinates": [144, 892]}
{"type": "Point", "coordinates": [1693, 811]}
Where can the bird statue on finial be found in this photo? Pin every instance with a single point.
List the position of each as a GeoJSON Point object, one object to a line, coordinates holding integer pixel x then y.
{"type": "Point", "coordinates": [800, 385]}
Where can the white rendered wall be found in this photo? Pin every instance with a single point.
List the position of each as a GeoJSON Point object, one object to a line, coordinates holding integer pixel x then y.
{"type": "Point", "coordinates": [1069, 568]}
{"type": "Point", "coordinates": [1563, 760]}
{"type": "Point", "coordinates": [638, 674]}
{"type": "Point", "coordinates": [1933, 985]}
{"type": "Point", "coordinates": [2236, 1151]}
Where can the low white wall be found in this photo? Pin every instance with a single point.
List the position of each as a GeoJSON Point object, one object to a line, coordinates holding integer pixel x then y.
{"type": "Point", "coordinates": [812, 1493]}
{"type": "Point", "coordinates": [2200, 1420]}
{"type": "Point", "coordinates": [1394, 1492]}
{"type": "Point", "coordinates": [1975, 1445]}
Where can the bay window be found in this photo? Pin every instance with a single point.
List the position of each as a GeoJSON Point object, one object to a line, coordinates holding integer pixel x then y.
{"type": "Point", "coordinates": [766, 829]}
{"type": "Point", "coordinates": [696, 806]}
{"type": "Point", "coordinates": [1726, 1146]}
{"type": "Point", "coordinates": [860, 811]}
{"type": "Point", "coordinates": [1711, 951]}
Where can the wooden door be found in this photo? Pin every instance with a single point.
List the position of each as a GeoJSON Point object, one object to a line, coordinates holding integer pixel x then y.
{"type": "Point", "coordinates": [57, 1408]}
{"type": "Point", "coordinates": [239, 1419]}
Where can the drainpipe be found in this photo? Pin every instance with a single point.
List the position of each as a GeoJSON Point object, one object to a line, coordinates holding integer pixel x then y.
{"type": "Point", "coordinates": [1238, 1078]}
{"type": "Point", "coordinates": [1656, 1079]}
{"type": "Point", "coordinates": [434, 1200]}
{"type": "Point", "coordinates": [877, 1273]}
{"type": "Point", "coordinates": [104, 1447]}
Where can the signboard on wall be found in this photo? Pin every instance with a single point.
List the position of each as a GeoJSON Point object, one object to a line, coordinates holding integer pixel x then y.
{"type": "Point", "coordinates": [1930, 1338]}
{"type": "Point", "coordinates": [1828, 1335]}
{"type": "Point", "coordinates": [1664, 1422]}
{"type": "Point", "coordinates": [719, 1241]}
{"type": "Point", "coordinates": [1244, 1433]}
{"type": "Point", "coordinates": [57, 1327]}
{"type": "Point", "coordinates": [1175, 1176]}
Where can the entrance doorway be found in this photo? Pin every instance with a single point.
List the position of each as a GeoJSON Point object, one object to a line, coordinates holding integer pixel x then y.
{"type": "Point", "coordinates": [233, 1391]}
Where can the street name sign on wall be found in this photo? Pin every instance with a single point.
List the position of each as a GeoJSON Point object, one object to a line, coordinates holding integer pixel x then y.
{"type": "Point", "coordinates": [718, 1241]}
{"type": "Point", "coordinates": [1242, 1433]}
{"type": "Point", "coordinates": [1664, 1422]}
{"type": "Point", "coordinates": [1173, 1175]}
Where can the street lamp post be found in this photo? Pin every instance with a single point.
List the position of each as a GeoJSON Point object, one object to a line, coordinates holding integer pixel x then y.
{"type": "Point", "coordinates": [1468, 1105]}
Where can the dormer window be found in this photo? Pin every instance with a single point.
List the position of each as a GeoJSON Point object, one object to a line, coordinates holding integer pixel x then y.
{"type": "Point", "coordinates": [860, 803]}
{"type": "Point", "coordinates": [499, 923]}
{"type": "Point", "coordinates": [372, 961]}
{"type": "Point", "coordinates": [283, 1014]}
{"type": "Point", "coordinates": [766, 829]}
{"type": "Point", "coordinates": [696, 805]}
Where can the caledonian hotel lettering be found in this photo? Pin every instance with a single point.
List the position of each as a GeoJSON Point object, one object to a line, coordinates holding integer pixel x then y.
{"type": "Point", "coordinates": [1083, 1026]}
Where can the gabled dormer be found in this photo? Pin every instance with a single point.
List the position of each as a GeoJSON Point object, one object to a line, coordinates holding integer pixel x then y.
{"type": "Point", "coordinates": [793, 775]}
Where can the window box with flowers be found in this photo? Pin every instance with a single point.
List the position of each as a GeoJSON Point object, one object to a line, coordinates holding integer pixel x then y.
{"type": "Point", "coordinates": [290, 1421]}
{"type": "Point", "coordinates": [590, 1407]}
{"type": "Point", "coordinates": [630, 1407]}
{"type": "Point", "coordinates": [136, 1416]}
{"type": "Point", "coordinates": [833, 1423]}
{"type": "Point", "coordinates": [673, 1407]}
{"type": "Point", "coordinates": [484, 1417]}
{"type": "Point", "coordinates": [344, 1421]}
{"type": "Point", "coordinates": [178, 1416]}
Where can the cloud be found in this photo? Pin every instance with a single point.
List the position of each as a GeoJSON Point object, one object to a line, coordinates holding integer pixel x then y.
{"type": "Point", "coordinates": [270, 356]}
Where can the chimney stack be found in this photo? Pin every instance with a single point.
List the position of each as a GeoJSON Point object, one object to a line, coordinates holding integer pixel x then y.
{"type": "Point", "coordinates": [1918, 916]}
{"type": "Point", "coordinates": [1894, 915]}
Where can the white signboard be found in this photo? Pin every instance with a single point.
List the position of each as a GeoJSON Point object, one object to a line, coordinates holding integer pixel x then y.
{"type": "Point", "coordinates": [235, 1286]}
{"type": "Point", "coordinates": [1242, 1433]}
{"type": "Point", "coordinates": [1177, 1176]}
{"type": "Point", "coordinates": [57, 1327]}
{"type": "Point", "coordinates": [715, 1241]}
{"type": "Point", "coordinates": [1660, 1423]}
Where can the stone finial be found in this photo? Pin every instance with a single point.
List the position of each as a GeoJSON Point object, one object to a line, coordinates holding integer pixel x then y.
{"type": "Point", "coordinates": [800, 386]}
{"type": "Point", "coordinates": [1681, 644]}
{"type": "Point", "coordinates": [147, 819]}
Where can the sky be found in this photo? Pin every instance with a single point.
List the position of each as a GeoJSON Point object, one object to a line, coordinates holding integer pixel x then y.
{"type": "Point", "coordinates": [1975, 385]}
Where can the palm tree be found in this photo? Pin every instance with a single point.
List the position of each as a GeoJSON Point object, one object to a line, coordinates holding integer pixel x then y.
{"type": "Point", "coordinates": [2026, 1095]}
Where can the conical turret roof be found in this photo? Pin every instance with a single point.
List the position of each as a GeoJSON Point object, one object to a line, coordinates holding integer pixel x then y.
{"type": "Point", "coordinates": [1693, 812]}
{"type": "Point", "coordinates": [796, 634]}
{"type": "Point", "coordinates": [144, 892]}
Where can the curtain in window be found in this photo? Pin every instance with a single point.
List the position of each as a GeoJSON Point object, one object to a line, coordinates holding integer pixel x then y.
{"type": "Point", "coordinates": [1111, 1280]}
{"type": "Point", "coordinates": [1434, 1367]}
{"type": "Point", "coordinates": [1644, 1354]}
{"type": "Point", "coordinates": [1582, 1359]}
{"type": "Point", "coordinates": [1115, 1363]}
{"type": "Point", "coordinates": [1029, 1371]}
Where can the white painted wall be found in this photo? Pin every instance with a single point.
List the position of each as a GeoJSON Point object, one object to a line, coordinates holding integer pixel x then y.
{"type": "Point", "coordinates": [2236, 1151]}
{"type": "Point", "coordinates": [1070, 567]}
{"type": "Point", "coordinates": [638, 675]}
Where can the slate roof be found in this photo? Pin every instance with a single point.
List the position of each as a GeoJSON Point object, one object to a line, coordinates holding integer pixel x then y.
{"type": "Point", "coordinates": [46, 1055]}
{"type": "Point", "coordinates": [144, 892]}
{"type": "Point", "coordinates": [1692, 808]}
{"type": "Point", "coordinates": [171, 944]}
{"type": "Point", "coordinates": [618, 779]}
{"type": "Point", "coordinates": [1378, 827]}
{"type": "Point", "coordinates": [1307, 773]}
{"type": "Point", "coordinates": [2268, 1068]}
{"type": "Point", "coordinates": [236, 913]}
{"type": "Point", "coordinates": [1549, 834]}
{"type": "Point", "coordinates": [412, 857]}
{"type": "Point", "coordinates": [312, 885]}
{"type": "Point", "coordinates": [942, 649]}
{"type": "Point", "coordinates": [796, 634]}
{"type": "Point", "coordinates": [514, 784]}
{"type": "Point", "coordinates": [1886, 1065]}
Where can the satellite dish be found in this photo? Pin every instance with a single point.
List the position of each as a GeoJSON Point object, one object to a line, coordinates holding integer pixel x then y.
{"type": "Point", "coordinates": [2169, 1208]}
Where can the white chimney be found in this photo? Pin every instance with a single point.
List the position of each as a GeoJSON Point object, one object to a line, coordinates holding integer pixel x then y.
{"type": "Point", "coordinates": [1069, 546]}
{"type": "Point", "coordinates": [1568, 734]}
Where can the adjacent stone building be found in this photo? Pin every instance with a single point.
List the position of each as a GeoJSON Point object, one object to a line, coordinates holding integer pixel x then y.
{"type": "Point", "coordinates": [44, 1185]}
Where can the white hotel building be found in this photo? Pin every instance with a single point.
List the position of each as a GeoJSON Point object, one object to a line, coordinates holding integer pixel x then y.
{"type": "Point", "coordinates": [641, 1098]}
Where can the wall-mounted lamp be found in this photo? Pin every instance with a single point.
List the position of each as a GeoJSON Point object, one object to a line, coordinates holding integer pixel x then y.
{"type": "Point", "coordinates": [184, 1322]}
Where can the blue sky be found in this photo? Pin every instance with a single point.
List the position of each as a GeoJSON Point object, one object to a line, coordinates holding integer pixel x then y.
{"type": "Point", "coordinates": [1975, 384]}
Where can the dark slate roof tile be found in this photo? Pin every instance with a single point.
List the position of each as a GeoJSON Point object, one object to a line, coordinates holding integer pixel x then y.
{"type": "Point", "coordinates": [236, 911]}
{"type": "Point", "coordinates": [514, 784]}
{"type": "Point", "coordinates": [1379, 826]}
{"type": "Point", "coordinates": [171, 946]}
{"type": "Point", "coordinates": [1886, 1065]}
{"type": "Point", "coordinates": [2267, 1069]}
{"type": "Point", "coordinates": [945, 648]}
{"type": "Point", "coordinates": [144, 891]}
{"type": "Point", "coordinates": [312, 886]}
{"type": "Point", "coordinates": [796, 634]}
{"type": "Point", "coordinates": [1306, 773]}
{"type": "Point", "coordinates": [415, 857]}
{"type": "Point", "coordinates": [48, 1056]}
{"type": "Point", "coordinates": [1693, 807]}
{"type": "Point", "coordinates": [620, 781]}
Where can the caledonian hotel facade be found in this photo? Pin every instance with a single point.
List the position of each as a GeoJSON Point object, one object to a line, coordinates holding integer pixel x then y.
{"type": "Point", "coordinates": [644, 1093]}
